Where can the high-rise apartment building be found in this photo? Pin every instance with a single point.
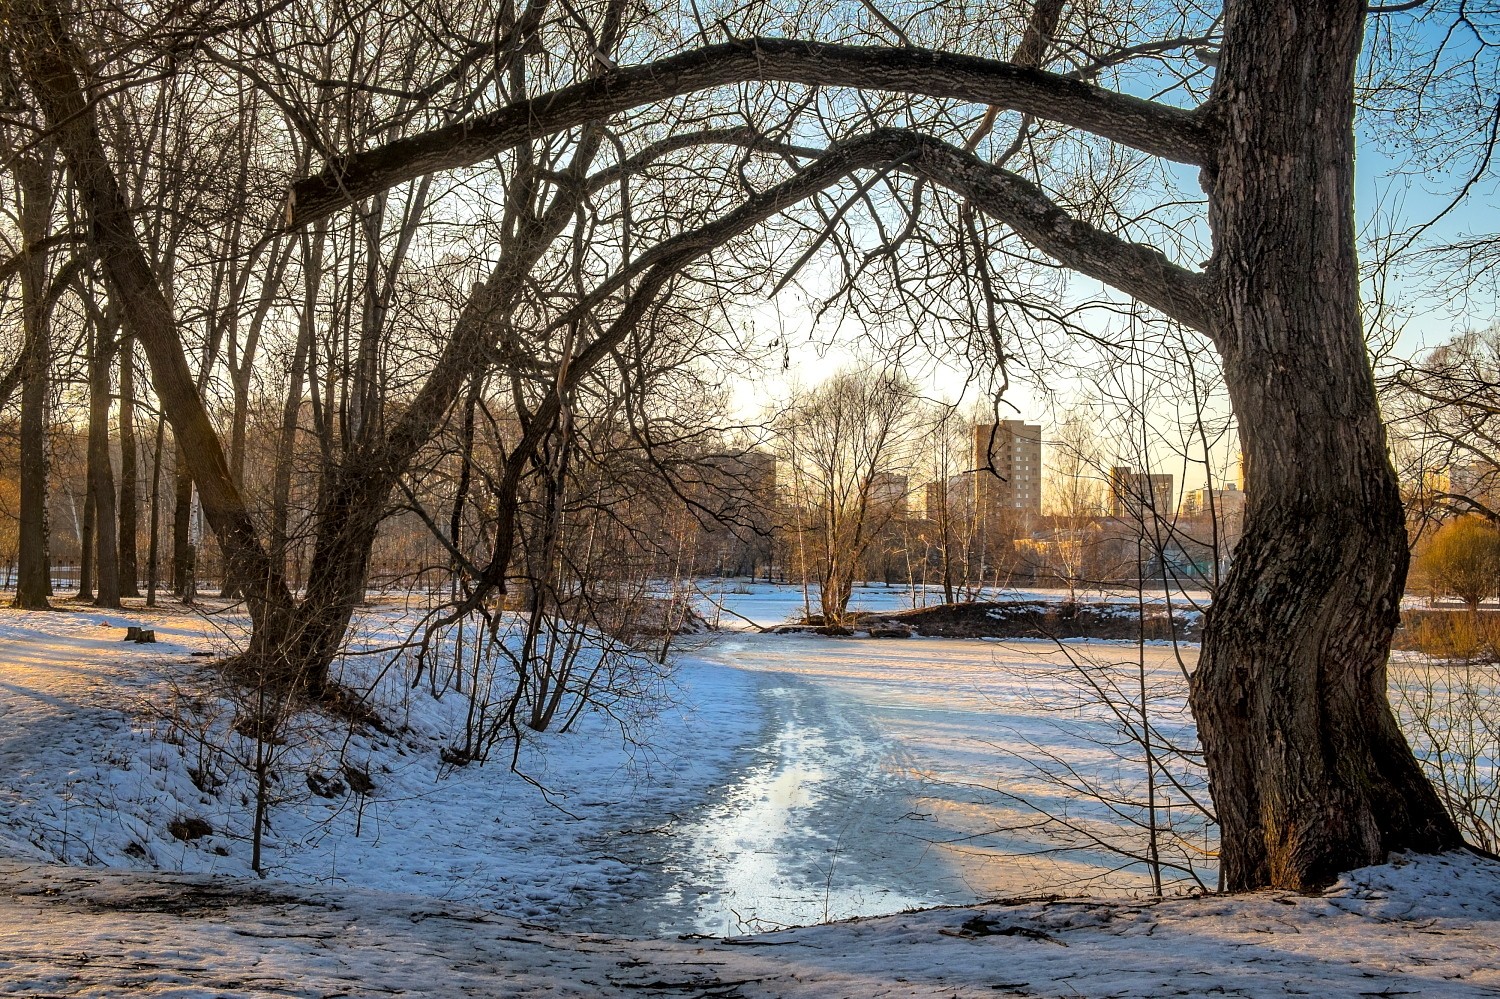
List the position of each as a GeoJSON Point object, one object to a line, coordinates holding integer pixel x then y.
{"type": "Point", "coordinates": [1137, 495]}
{"type": "Point", "coordinates": [1007, 469]}
{"type": "Point", "coordinates": [888, 496]}
{"type": "Point", "coordinates": [1227, 504]}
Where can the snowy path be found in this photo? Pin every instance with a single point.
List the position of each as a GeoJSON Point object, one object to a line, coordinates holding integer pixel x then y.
{"type": "Point", "coordinates": [886, 775]}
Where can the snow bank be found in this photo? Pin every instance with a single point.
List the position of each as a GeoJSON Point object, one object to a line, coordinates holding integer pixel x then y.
{"type": "Point", "coordinates": [124, 755]}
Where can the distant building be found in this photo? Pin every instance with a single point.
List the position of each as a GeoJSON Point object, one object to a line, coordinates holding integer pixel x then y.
{"type": "Point", "coordinates": [1210, 522]}
{"type": "Point", "coordinates": [1138, 495]}
{"type": "Point", "coordinates": [1007, 470]}
{"type": "Point", "coordinates": [888, 496]}
{"type": "Point", "coordinates": [1478, 480]}
{"type": "Point", "coordinates": [1227, 505]}
{"type": "Point", "coordinates": [934, 500]}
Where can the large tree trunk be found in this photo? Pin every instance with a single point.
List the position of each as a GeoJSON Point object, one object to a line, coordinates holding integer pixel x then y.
{"type": "Point", "coordinates": [313, 633]}
{"type": "Point", "coordinates": [33, 582]}
{"type": "Point", "coordinates": [1309, 772]}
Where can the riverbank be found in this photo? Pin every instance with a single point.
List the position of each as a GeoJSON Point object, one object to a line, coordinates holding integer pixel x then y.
{"type": "Point", "coordinates": [1059, 619]}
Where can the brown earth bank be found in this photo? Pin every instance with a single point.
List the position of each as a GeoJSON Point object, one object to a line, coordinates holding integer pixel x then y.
{"type": "Point", "coordinates": [1444, 632]}
{"type": "Point", "coordinates": [1041, 619]}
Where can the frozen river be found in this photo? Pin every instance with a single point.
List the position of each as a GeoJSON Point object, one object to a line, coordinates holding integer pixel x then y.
{"type": "Point", "coordinates": [780, 779]}
{"type": "Point", "coordinates": [889, 774]}
{"type": "Point", "coordinates": [769, 780]}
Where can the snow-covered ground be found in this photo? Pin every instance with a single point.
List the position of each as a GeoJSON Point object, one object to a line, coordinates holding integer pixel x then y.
{"type": "Point", "coordinates": [778, 780]}
{"type": "Point", "coordinates": [920, 765]}
{"type": "Point", "coordinates": [782, 780]}
{"type": "Point", "coordinates": [106, 744]}
{"type": "Point", "coordinates": [1425, 928]}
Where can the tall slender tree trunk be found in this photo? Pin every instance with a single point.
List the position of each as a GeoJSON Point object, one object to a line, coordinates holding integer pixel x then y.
{"type": "Point", "coordinates": [291, 410]}
{"type": "Point", "coordinates": [50, 62]}
{"type": "Point", "coordinates": [101, 471]}
{"type": "Point", "coordinates": [153, 545]}
{"type": "Point", "coordinates": [1310, 773]}
{"type": "Point", "coordinates": [86, 544]}
{"type": "Point", "coordinates": [34, 572]}
{"type": "Point", "coordinates": [129, 501]}
{"type": "Point", "coordinates": [183, 560]}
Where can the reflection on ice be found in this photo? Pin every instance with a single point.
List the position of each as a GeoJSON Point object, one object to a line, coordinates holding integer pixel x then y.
{"type": "Point", "coordinates": [889, 775]}
{"type": "Point", "coordinates": [788, 842]}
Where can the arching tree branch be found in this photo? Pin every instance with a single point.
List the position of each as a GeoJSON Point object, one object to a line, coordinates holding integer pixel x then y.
{"type": "Point", "coordinates": [1142, 272]}
{"type": "Point", "coordinates": [1155, 128]}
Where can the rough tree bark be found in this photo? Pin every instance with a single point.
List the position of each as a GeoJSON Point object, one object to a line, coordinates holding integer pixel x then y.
{"type": "Point", "coordinates": [33, 582]}
{"type": "Point", "coordinates": [101, 478]}
{"type": "Point", "coordinates": [129, 474]}
{"type": "Point", "coordinates": [1310, 773]}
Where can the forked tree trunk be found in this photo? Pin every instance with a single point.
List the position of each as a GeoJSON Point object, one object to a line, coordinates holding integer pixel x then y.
{"type": "Point", "coordinates": [836, 589]}
{"type": "Point", "coordinates": [308, 638]}
{"type": "Point", "coordinates": [1309, 772]}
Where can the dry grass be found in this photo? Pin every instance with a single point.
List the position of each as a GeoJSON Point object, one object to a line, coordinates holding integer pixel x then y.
{"type": "Point", "coordinates": [1450, 634]}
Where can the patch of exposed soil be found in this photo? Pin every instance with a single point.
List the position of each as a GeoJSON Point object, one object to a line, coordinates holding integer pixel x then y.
{"type": "Point", "coordinates": [1042, 619]}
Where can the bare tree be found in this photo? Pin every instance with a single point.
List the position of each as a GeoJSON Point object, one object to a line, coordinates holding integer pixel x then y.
{"type": "Point", "coordinates": [849, 445]}
{"type": "Point", "coordinates": [1445, 415]}
{"type": "Point", "coordinates": [1077, 499]}
{"type": "Point", "coordinates": [33, 174]}
{"type": "Point", "coordinates": [1310, 770]}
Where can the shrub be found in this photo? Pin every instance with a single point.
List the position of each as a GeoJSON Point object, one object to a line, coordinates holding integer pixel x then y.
{"type": "Point", "coordinates": [1464, 559]}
